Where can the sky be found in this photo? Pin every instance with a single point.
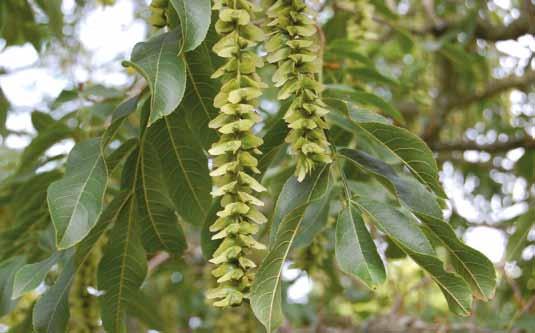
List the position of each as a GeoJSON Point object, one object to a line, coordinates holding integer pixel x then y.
{"type": "Point", "coordinates": [110, 33]}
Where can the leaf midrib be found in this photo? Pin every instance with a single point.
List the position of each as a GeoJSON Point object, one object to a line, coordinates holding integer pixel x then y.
{"type": "Point", "coordinates": [180, 163]}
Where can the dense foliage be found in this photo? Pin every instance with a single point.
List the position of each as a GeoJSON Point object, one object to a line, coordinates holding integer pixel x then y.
{"type": "Point", "coordinates": [339, 133]}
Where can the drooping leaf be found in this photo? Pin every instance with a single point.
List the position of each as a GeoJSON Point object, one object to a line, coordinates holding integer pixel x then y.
{"type": "Point", "coordinates": [208, 244]}
{"type": "Point", "coordinates": [266, 289]}
{"type": "Point", "coordinates": [29, 276]}
{"type": "Point", "coordinates": [356, 252]}
{"type": "Point", "coordinates": [51, 312]}
{"type": "Point", "coordinates": [185, 167]}
{"type": "Point", "coordinates": [116, 157]}
{"type": "Point", "coordinates": [119, 116]}
{"type": "Point", "coordinates": [370, 74]}
{"type": "Point", "coordinates": [195, 17]}
{"type": "Point", "coordinates": [517, 241]}
{"type": "Point", "coordinates": [41, 143]}
{"type": "Point", "coordinates": [403, 229]}
{"type": "Point", "coordinates": [273, 143]}
{"type": "Point", "coordinates": [8, 268]}
{"type": "Point", "coordinates": [158, 222]}
{"type": "Point", "coordinates": [4, 107]}
{"type": "Point", "coordinates": [201, 90]}
{"type": "Point", "coordinates": [122, 269]}
{"type": "Point", "coordinates": [472, 265]}
{"type": "Point", "coordinates": [363, 98]}
{"type": "Point", "coordinates": [41, 120]}
{"type": "Point", "coordinates": [75, 201]}
{"type": "Point", "coordinates": [412, 193]}
{"type": "Point", "coordinates": [295, 194]}
{"type": "Point", "coordinates": [157, 61]}
{"type": "Point", "coordinates": [409, 149]}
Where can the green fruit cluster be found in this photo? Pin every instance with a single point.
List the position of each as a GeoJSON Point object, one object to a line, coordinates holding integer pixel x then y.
{"type": "Point", "coordinates": [358, 26]}
{"type": "Point", "coordinates": [234, 161]}
{"type": "Point", "coordinates": [293, 48]}
{"type": "Point", "coordinates": [158, 9]}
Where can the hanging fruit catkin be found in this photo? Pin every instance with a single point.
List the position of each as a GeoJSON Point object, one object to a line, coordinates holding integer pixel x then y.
{"type": "Point", "coordinates": [293, 48]}
{"type": "Point", "coordinates": [360, 23]}
{"type": "Point", "coordinates": [234, 160]}
{"type": "Point", "coordinates": [158, 9]}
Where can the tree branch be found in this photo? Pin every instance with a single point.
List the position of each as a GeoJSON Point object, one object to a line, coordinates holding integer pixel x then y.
{"type": "Point", "coordinates": [497, 147]}
{"type": "Point", "coordinates": [495, 88]}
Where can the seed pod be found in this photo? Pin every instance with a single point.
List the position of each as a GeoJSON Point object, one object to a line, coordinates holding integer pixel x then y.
{"type": "Point", "coordinates": [234, 154]}
{"type": "Point", "coordinates": [158, 9]}
{"type": "Point", "coordinates": [361, 20]}
{"type": "Point", "coordinates": [293, 48]}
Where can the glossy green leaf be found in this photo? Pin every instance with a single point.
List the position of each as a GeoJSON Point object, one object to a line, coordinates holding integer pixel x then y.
{"type": "Point", "coordinates": [122, 269]}
{"type": "Point", "coordinates": [158, 221]}
{"type": "Point", "coordinates": [201, 90]}
{"type": "Point", "coordinates": [185, 167]}
{"type": "Point", "coordinates": [472, 265]}
{"type": "Point", "coordinates": [356, 252]}
{"type": "Point", "coordinates": [403, 229]}
{"type": "Point", "coordinates": [363, 98]}
{"type": "Point", "coordinates": [410, 150]}
{"type": "Point", "coordinates": [266, 289]}
{"type": "Point", "coordinates": [8, 268]}
{"type": "Point", "coordinates": [295, 194]}
{"type": "Point", "coordinates": [273, 143]}
{"type": "Point", "coordinates": [157, 61]}
{"type": "Point", "coordinates": [29, 276]}
{"type": "Point", "coordinates": [41, 143]}
{"type": "Point", "coordinates": [195, 17]}
{"type": "Point", "coordinates": [51, 312]}
{"type": "Point", "coordinates": [411, 192]}
{"type": "Point", "coordinates": [517, 241]}
{"type": "Point", "coordinates": [209, 245]}
{"type": "Point", "coordinates": [75, 201]}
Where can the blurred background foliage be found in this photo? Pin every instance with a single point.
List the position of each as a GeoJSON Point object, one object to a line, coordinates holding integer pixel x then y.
{"type": "Point", "coordinates": [460, 74]}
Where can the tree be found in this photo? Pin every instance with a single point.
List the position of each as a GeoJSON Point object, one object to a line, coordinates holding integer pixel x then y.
{"type": "Point", "coordinates": [265, 144]}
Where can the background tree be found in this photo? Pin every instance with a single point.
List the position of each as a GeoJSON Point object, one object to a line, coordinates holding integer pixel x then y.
{"type": "Point", "coordinates": [383, 134]}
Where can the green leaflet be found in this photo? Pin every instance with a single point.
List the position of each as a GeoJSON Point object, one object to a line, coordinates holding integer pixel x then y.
{"type": "Point", "coordinates": [209, 245]}
{"type": "Point", "coordinates": [44, 140]}
{"type": "Point", "coordinates": [517, 240]}
{"type": "Point", "coordinates": [351, 111]}
{"type": "Point", "coordinates": [29, 276]}
{"type": "Point", "coordinates": [364, 98]}
{"type": "Point", "coordinates": [122, 269]}
{"type": "Point", "coordinates": [408, 149]}
{"type": "Point", "coordinates": [295, 194]}
{"type": "Point", "coordinates": [273, 143]}
{"type": "Point", "coordinates": [4, 107]}
{"type": "Point", "coordinates": [185, 167]}
{"type": "Point", "coordinates": [157, 61]}
{"type": "Point", "coordinates": [471, 264]}
{"type": "Point", "coordinates": [200, 91]}
{"type": "Point", "coordinates": [51, 312]}
{"type": "Point", "coordinates": [404, 230]}
{"type": "Point", "coordinates": [8, 268]}
{"type": "Point", "coordinates": [116, 157]}
{"type": "Point", "coordinates": [42, 120]}
{"type": "Point", "coordinates": [356, 252]}
{"type": "Point", "coordinates": [158, 222]}
{"type": "Point", "coordinates": [266, 289]}
{"type": "Point", "coordinates": [195, 17]}
{"type": "Point", "coordinates": [119, 116]}
{"type": "Point", "coordinates": [75, 201]}
{"type": "Point", "coordinates": [411, 192]}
